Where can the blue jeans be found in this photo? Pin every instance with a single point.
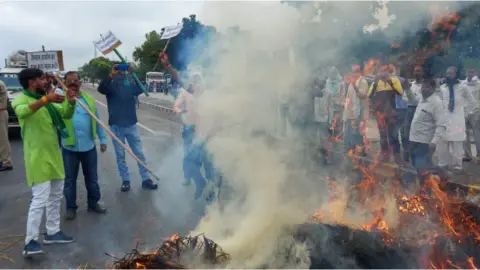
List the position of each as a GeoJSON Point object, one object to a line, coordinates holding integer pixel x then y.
{"type": "Point", "coordinates": [133, 138]}
{"type": "Point", "coordinates": [195, 156]}
{"type": "Point", "coordinates": [72, 161]}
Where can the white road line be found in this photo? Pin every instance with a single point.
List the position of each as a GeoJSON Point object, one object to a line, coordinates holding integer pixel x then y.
{"type": "Point", "coordinates": [142, 126]}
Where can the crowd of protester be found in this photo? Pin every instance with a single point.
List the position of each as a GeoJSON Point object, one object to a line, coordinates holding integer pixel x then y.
{"type": "Point", "coordinates": [423, 122]}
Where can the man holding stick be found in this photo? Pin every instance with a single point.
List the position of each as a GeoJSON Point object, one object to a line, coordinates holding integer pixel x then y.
{"type": "Point", "coordinates": [121, 92]}
{"type": "Point", "coordinates": [41, 121]}
{"type": "Point", "coordinates": [79, 148]}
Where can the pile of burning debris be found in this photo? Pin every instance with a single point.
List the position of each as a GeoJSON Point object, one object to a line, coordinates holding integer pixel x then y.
{"type": "Point", "coordinates": [177, 253]}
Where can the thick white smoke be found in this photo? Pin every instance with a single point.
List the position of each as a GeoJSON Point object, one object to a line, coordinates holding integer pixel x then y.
{"type": "Point", "coordinates": [273, 184]}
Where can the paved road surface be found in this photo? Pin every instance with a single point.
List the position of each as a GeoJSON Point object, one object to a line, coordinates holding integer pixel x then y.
{"type": "Point", "coordinates": [138, 216]}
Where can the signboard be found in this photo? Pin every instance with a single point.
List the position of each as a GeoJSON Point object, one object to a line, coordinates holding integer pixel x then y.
{"type": "Point", "coordinates": [171, 31]}
{"type": "Point", "coordinates": [47, 61]}
{"type": "Point", "coordinates": [107, 43]}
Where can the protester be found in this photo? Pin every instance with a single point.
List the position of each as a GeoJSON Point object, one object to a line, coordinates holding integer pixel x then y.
{"type": "Point", "coordinates": [355, 110]}
{"type": "Point", "coordinates": [383, 94]}
{"type": "Point", "coordinates": [455, 97]}
{"type": "Point", "coordinates": [336, 87]}
{"type": "Point", "coordinates": [323, 109]}
{"type": "Point", "coordinates": [472, 116]}
{"type": "Point", "coordinates": [79, 148]}
{"type": "Point", "coordinates": [5, 151]}
{"type": "Point", "coordinates": [413, 95]}
{"type": "Point", "coordinates": [121, 92]}
{"type": "Point", "coordinates": [401, 108]}
{"type": "Point", "coordinates": [428, 128]}
{"type": "Point", "coordinates": [186, 105]}
{"type": "Point", "coordinates": [40, 121]}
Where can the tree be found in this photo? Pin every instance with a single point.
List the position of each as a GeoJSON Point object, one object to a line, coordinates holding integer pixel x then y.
{"type": "Point", "coordinates": [97, 68]}
{"type": "Point", "coordinates": [146, 55]}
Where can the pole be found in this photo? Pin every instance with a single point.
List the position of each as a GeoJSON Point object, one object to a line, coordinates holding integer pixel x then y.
{"type": "Point", "coordinates": [105, 127]}
{"type": "Point", "coordinates": [164, 49]}
{"type": "Point", "coordinates": [137, 80]}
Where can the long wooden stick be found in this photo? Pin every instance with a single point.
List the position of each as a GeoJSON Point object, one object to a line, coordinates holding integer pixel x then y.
{"type": "Point", "coordinates": [105, 127]}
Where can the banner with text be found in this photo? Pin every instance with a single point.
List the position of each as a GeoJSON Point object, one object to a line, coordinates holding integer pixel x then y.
{"type": "Point", "coordinates": [48, 61]}
{"type": "Point", "coordinates": [107, 43]}
{"type": "Point", "coordinates": [171, 31]}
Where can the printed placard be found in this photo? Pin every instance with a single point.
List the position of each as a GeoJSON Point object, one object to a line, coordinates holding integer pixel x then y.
{"type": "Point", "coordinates": [171, 31]}
{"type": "Point", "coordinates": [48, 61]}
{"type": "Point", "coordinates": [107, 43]}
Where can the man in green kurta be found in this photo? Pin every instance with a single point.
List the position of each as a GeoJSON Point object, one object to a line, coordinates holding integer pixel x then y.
{"type": "Point", "coordinates": [41, 121]}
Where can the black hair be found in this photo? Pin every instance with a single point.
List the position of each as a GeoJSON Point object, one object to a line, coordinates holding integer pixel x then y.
{"type": "Point", "coordinates": [28, 74]}
{"type": "Point", "coordinates": [69, 73]}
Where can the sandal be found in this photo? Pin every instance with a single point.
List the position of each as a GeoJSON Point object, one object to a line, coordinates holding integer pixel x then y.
{"type": "Point", "coordinates": [125, 186]}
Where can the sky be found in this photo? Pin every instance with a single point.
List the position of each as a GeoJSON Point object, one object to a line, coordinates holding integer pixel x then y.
{"type": "Point", "coordinates": [71, 26]}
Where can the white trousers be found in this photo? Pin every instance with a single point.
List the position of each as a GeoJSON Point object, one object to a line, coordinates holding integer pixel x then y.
{"type": "Point", "coordinates": [450, 154]}
{"type": "Point", "coordinates": [47, 195]}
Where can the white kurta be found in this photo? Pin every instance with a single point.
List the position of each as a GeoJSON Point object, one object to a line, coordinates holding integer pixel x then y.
{"type": "Point", "coordinates": [455, 131]}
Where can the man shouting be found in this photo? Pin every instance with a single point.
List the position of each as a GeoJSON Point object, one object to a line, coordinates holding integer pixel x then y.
{"type": "Point", "coordinates": [41, 122]}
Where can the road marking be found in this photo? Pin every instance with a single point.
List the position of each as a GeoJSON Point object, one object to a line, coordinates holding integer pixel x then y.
{"type": "Point", "coordinates": [142, 126]}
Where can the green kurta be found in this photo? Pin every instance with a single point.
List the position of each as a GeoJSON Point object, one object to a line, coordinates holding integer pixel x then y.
{"type": "Point", "coordinates": [43, 156]}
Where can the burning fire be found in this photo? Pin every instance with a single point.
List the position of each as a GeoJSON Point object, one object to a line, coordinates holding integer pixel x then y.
{"type": "Point", "coordinates": [431, 217]}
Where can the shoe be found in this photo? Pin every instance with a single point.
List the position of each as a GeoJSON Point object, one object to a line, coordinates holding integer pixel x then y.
{"type": "Point", "coordinates": [148, 184]}
{"type": "Point", "coordinates": [97, 208]}
{"type": "Point", "coordinates": [467, 159]}
{"type": "Point", "coordinates": [4, 167]}
{"type": "Point", "coordinates": [125, 186]}
{"type": "Point", "coordinates": [71, 214]}
{"type": "Point", "coordinates": [58, 238]}
{"type": "Point", "coordinates": [32, 248]}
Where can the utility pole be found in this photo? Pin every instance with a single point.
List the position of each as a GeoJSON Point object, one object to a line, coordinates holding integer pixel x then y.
{"type": "Point", "coordinates": [43, 48]}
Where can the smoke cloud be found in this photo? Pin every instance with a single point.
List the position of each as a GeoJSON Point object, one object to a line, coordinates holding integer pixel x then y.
{"type": "Point", "coordinates": [274, 184]}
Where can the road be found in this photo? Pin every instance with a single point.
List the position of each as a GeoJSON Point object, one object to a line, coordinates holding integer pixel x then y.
{"type": "Point", "coordinates": [140, 216]}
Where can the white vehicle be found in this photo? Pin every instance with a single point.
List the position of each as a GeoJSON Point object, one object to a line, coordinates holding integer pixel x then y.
{"type": "Point", "coordinates": [155, 81]}
{"type": "Point", "coordinates": [10, 77]}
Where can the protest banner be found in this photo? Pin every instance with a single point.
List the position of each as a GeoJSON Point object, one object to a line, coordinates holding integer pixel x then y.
{"type": "Point", "coordinates": [107, 43]}
{"type": "Point", "coordinates": [168, 33]}
{"type": "Point", "coordinates": [49, 61]}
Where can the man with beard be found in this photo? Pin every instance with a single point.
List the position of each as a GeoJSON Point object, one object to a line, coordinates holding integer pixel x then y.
{"type": "Point", "coordinates": [79, 148]}
{"type": "Point", "coordinates": [472, 116]}
{"type": "Point", "coordinates": [455, 97]}
{"type": "Point", "coordinates": [121, 92]}
{"type": "Point", "coordinates": [41, 120]}
{"type": "Point", "coordinates": [427, 129]}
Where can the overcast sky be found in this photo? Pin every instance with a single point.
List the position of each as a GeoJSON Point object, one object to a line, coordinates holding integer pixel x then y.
{"type": "Point", "coordinates": [71, 26]}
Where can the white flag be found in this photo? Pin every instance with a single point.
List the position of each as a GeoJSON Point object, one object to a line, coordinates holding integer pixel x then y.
{"type": "Point", "coordinates": [171, 31]}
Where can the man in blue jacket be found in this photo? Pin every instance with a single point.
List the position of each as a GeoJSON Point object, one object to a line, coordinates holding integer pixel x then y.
{"type": "Point", "coordinates": [121, 92]}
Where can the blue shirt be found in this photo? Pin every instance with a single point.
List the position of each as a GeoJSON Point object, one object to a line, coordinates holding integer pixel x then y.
{"type": "Point", "coordinates": [399, 102]}
{"type": "Point", "coordinates": [121, 93]}
{"type": "Point", "coordinates": [82, 127]}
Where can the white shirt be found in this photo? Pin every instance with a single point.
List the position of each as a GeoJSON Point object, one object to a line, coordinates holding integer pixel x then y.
{"type": "Point", "coordinates": [413, 95]}
{"type": "Point", "coordinates": [353, 103]}
{"type": "Point", "coordinates": [456, 120]}
{"type": "Point", "coordinates": [428, 124]}
{"type": "Point", "coordinates": [474, 87]}
{"type": "Point", "coordinates": [323, 107]}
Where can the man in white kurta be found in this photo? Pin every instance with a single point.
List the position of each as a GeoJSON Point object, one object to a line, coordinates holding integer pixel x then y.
{"type": "Point", "coordinates": [455, 96]}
